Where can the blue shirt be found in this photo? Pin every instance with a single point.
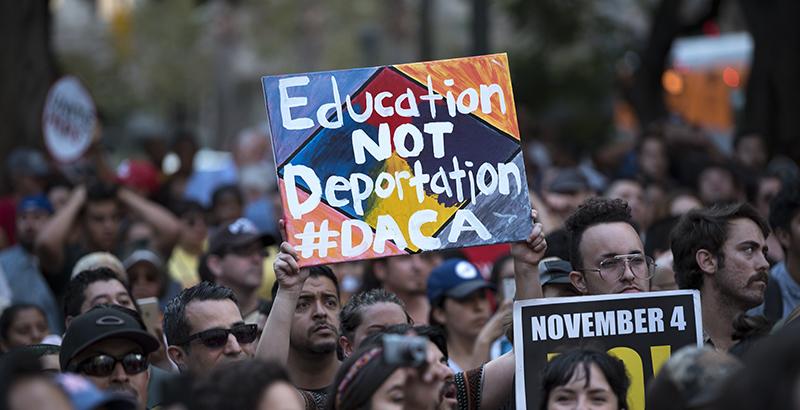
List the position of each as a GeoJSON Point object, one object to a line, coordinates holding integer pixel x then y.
{"type": "Point", "coordinates": [29, 286]}
{"type": "Point", "coordinates": [790, 289]}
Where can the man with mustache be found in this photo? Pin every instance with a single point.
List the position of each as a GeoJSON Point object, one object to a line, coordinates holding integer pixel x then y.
{"type": "Point", "coordinates": [721, 251]}
{"type": "Point", "coordinates": [605, 250]}
{"type": "Point", "coordinates": [306, 308]}
{"type": "Point", "coordinates": [110, 345]}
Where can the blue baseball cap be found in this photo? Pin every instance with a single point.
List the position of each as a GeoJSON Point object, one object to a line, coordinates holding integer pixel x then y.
{"type": "Point", "coordinates": [34, 202]}
{"type": "Point", "coordinates": [455, 278]}
{"type": "Point", "coordinates": [84, 395]}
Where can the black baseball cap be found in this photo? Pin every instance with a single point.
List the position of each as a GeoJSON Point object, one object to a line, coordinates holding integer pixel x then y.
{"type": "Point", "coordinates": [568, 181]}
{"type": "Point", "coordinates": [240, 232]}
{"type": "Point", "coordinates": [101, 323]}
{"type": "Point", "coordinates": [554, 270]}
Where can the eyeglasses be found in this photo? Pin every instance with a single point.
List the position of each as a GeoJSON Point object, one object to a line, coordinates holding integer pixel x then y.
{"type": "Point", "coordinates": [217, 338]}
{"type": "Point", "coordinates": [103, 365]}
{"type": "Point", "coordinates": [613, 268]}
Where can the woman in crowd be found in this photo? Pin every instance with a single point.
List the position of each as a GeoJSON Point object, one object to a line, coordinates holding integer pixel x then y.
{"type": "Point", "coordinates": [584, 379]}
{"type": "Point", "coordinates": [22, 324]}
{"type": "Point", "coordinates": [368, 381]}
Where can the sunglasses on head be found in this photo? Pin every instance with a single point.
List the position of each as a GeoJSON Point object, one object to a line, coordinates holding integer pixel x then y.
{"type": "Point", "coordinates": [217, 338]}
{"type": "Point", "coordinates": [103, 365]}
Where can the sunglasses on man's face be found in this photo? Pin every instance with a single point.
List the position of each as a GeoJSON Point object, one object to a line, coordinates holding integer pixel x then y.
{"type": "Point", "coordinates": [103, 365]}
{"type": "Point", "coordinates": [217, 338]}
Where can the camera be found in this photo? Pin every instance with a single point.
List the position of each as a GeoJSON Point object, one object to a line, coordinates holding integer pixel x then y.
{"type": "Point", "coordinates": [405, 351]}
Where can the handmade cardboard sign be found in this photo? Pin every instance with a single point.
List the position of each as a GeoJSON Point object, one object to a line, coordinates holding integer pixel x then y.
{"type": "Point", "coordinates": [68, 120]}
{"type": "Point", "coordinates": [642, 330]}
{"type": "Point", "coordinates": [399, 159]}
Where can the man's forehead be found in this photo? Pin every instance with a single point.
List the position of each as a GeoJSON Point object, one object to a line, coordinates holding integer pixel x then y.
{"type": "Point", "coordinates": [319, 284]}
{"type": "Point", "coordinates": [208, 314]}
{"type": "Point", "coordinates": [743, 230]}
{"type": "Point", "coordinates": [609, 239]}
{"type": "Point", "coordinates": [112, 286]}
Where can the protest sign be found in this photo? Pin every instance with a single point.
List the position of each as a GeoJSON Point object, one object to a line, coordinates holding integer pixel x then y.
{"type": "Point", "coordinates": [641, 329]}
{"type": "Point", "coordinates": [398, 159]}
{"type": "Point", "coordinates": [68, 120]}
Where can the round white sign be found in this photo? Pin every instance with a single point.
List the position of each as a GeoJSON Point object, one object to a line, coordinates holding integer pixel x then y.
{"type": "Point", "coordinates": [68, 119]}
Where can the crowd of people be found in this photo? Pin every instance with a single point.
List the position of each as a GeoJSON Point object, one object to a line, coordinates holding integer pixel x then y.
{"type": "Point", "coordinates": [130, 288]}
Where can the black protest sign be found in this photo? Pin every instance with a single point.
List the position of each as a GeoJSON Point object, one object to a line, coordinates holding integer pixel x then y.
{"type": "Point", "coordinates": [641, 329]}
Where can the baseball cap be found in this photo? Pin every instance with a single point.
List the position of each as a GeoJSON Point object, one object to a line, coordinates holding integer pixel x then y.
{"type": "Point", "coordinates": [238, 233]}
{"type": "Point", "coordinates": [84, 395]}
{"type": "Point", "coordinates": [101, 323]}
{"type": "Point", "coordinates": [96, 260]}
{"type": "Point", "coordinates": [569, 181]}
{"type": "Point", "coordinates": [138, 174]}
{"type": "Point", "coordinates": [554, 270]}
{"type": "Point", "coordinates": [455, 278]}
{"type": "Point", "coordinates": [143, 255]}
{"type": "Point", "coordinates": [35, 202]}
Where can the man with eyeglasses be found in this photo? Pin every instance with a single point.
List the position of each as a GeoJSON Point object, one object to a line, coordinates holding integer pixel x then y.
{"type": "Point", "coordinates": [110, 345]}
{"type": "Point", "coordinates": [605, 250]}
{"type": "Point", "coordinates": [236, 255]}
{"type": "Point", "coordinates": [204, 328]}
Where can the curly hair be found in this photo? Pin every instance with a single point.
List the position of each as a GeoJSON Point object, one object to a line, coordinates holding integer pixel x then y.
{"type": "Point", "coordinates": [706, 229]}
{"type": "Point", "coordinates": [593, 212]}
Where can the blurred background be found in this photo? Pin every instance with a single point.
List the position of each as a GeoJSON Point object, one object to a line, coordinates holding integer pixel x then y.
{"type": "Point", "coordinates": [588, 75]}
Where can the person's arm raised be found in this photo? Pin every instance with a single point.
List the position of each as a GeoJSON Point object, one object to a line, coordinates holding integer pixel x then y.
{"type": "Point", "coordinates": [527, 255]}
{"type": "Point", "coordinates": [49, 244]}
{"type": "Point", "coordinates": [274, 343]}
{"type": "Point", "coordinates": [498, 374]}
{"type": "Point", "coordinates": [166, 225]}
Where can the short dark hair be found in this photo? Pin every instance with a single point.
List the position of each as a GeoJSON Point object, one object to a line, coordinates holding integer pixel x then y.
{"type": "Point", "coordinates": [350, 317]}
{"type": "Point", "coordinates": [557, 244]}
{"type": "Point", "coordinates": [176, 325]}
{"type": "Point", "coordinates": [592, 212]}
{"type": "Point", "coordinates": [237, 385]}
{"type": "Point", "coordinates": [315, 272]}
{"type": "Point", "coordinates": [705, 229]}
{"type": "Point", "coordinates": [185, 207]}
{"type": "Point", "coordinates": [101, 191]}
{"type": "Point", "coordinates": [785, 206]}
{"type": "Point", "coordinates": [657, 237]}
{"type": "Point", "coordinates": [75, 291]}
{"type": "Point", "coordinates": [561, 369]}
{"type": "Point", "coordinates": [223, 190]}
{"type": "Point", "coordinates": [10, 314]}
